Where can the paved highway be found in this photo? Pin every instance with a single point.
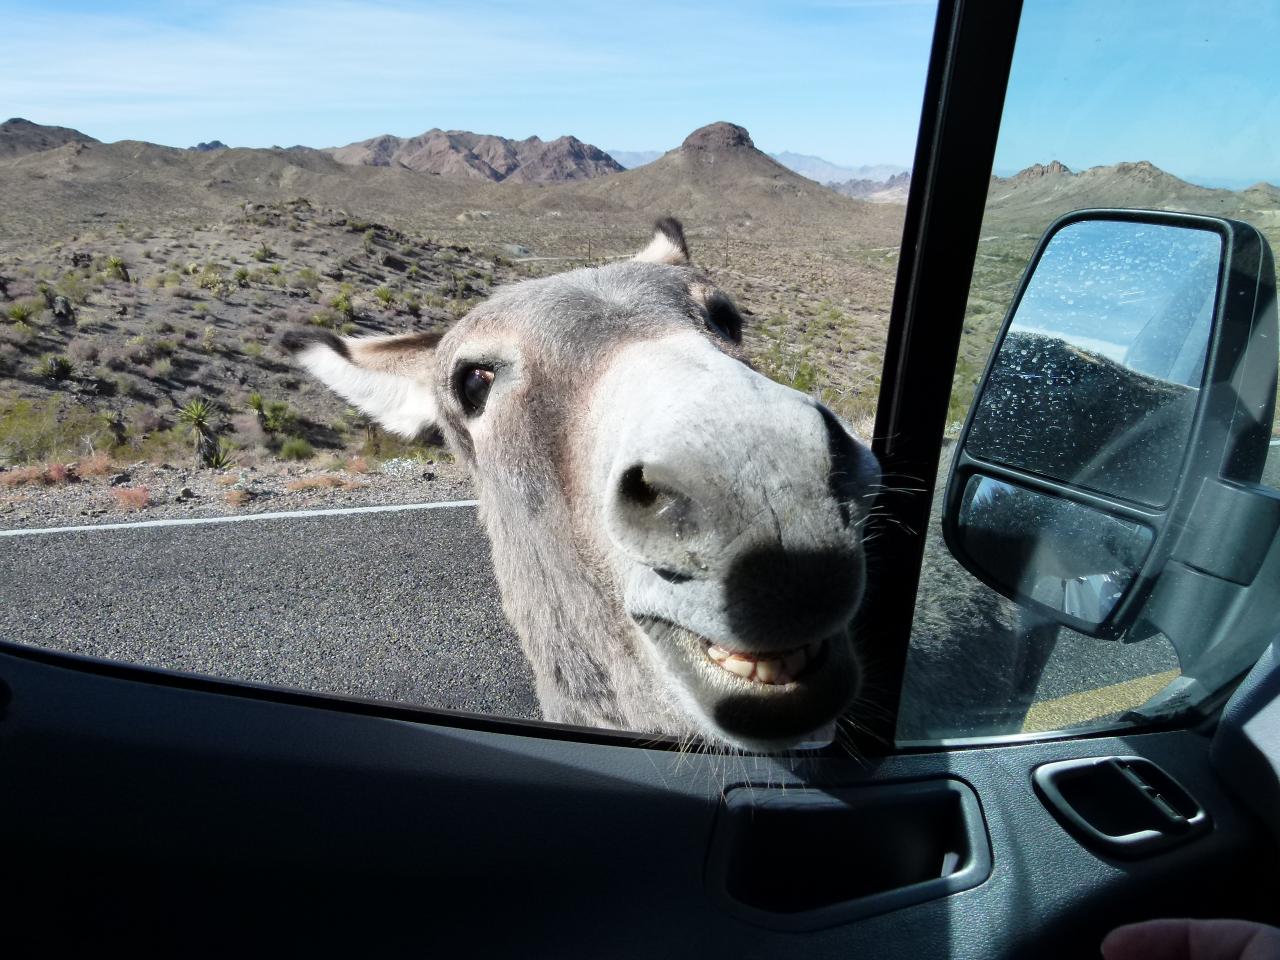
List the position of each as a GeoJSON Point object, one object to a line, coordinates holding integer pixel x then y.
{"type": "Point", "coordinates": [395, 604]}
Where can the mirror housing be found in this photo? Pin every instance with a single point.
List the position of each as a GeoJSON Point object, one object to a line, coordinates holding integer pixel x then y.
{"type": "Point", "coordinates": [1120, 430]}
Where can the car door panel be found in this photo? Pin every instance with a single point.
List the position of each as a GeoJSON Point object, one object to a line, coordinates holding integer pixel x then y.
{"type": "Point", "coordinates": [135, 806]}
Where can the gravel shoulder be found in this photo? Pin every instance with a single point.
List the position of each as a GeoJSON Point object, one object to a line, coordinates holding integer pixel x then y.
{"type": "Point", "coordinates": [171, 491]}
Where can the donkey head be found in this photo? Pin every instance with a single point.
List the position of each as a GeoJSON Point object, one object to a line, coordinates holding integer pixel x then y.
{"type": "Point", "coordinates": [677, 538]}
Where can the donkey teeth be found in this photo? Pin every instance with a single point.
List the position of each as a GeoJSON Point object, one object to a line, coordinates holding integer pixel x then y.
{"type": "Point", "coordinates": [775, 671]}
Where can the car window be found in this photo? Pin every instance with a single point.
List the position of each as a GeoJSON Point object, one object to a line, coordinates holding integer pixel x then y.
{"type": "Point", "coordinates": [205, 465]}
{"type": "Point", "coordinates": [1107, 106]}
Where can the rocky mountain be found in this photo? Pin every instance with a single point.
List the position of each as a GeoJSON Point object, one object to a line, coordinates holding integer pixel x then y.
{"type": "Point", "coordinates": [474, 156]}
{"type": "Point", "coordinates": [18, 136]}
{"type": "Point", "coordinates": [211, 145]}
{"type": "Point", "coordinates": [807, 165]}
{"type": "Point", "coordinates": [717, 178]}
{"type": "Point", "coordinates": [893, 190]}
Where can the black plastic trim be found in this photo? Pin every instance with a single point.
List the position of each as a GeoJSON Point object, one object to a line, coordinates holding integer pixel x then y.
{"type": "Point", "coordinates": [963, 104]}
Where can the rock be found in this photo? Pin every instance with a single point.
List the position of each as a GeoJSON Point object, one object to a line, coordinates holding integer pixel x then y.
{"type": "Point", "coordinates": [122, 310]}
{"type": "Point", "coordinates": [119, 478]}
{"type": "Point", "coordinates": [333, 273]}
{"type": "Point", "coordinates": [428, 474]}
{"type": "Point", "coordinates": [391, 261]}
{"type": "Point", "coordinates": [63, 311]}
{"type": "Point", "coordinates": [80, 258]}
{"type": "Point", "coordinates": [186, 493]}
{"type": "Point", "coordinates": [516, 249]}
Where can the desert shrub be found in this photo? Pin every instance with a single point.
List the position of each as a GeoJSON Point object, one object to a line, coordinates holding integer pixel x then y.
{"type": "Point", "coordinates": [369, 237]}
{"type": "Point", "coordinates": [132, 498]}
{"type": "Point", "coordinates": [248, 429]}
{"type": "Point", "coordinates": [296, 448]}
{"type": "Point", "coordinates": [126, 385]}
{"type": "Point", "coordinates": [96, 464]}
{"type": "Point", "coordinates": [164, 347]}
{"type": "Point", "coordinates": [277, 417]}
{"type": "Point", "coordinates": [385, 295]}
{"type": "Point", "coordinates": [237, 497]}
{"type": "Point", "coordinates": [50, 430]}
{"type": "Point", "coordinates": [115, 267]}
{"type": "Point", "coordinates": [348, 328]}
{"type": "Point", "coordinates": [222, 455]}
{"type": "Point", "coordinates": [25, 311]}
{"type": "Point", "coordinates": [329, 319]}
{"type": "Point", "coordinates": [83, 351]}
{"type": "Point", "coordinates": [22, 330]}
{"type": "Point", "coordinates": [241, 276]}
{"type": "Point", "coordinates": [162, 369]}
{"type": "Point", "coordinates": [447, 256]}
{"type": "Point", "coordinates": [306, 279]}
{"type": "Point", "coordinates": [209, 341]}
{"type": "Point", "coordinates": [264, 253]}
{"type": "Point", "coordinates": [342, 303]}
{"type": "Point", "coordinates": [53, 367]}
{"type": "Point", "coordinates": [251, 348]}
{"type": "Point", "coordinates": [22, 477]}
{"type": "Point", "coordinates": [75, 287]}
{"type": "Point", "coordinates": [146, 420]}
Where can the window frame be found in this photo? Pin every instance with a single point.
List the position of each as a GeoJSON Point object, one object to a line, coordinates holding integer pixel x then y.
{"type": "Point", "coordinates": [970, 61]}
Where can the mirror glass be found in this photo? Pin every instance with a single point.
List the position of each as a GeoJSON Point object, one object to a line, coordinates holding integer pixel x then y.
{"type": "Point", "coordinates": [1096, 382]}
{"type": "Point", "coordinates": [1065, 555]}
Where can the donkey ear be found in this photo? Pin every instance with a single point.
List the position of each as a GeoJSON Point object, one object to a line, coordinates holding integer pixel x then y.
{"type": "Point", "coordinates": [667, 246]}
{"type": "Point", "coordinates": [389, 378]}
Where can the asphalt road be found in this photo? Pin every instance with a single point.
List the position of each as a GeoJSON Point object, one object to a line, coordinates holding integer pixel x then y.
{"type": "Point", "coordinates": [396, 606]}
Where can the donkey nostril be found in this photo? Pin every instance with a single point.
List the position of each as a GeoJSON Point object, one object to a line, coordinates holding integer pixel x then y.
{"type": "Point", "coordinates": [633, 487]}
{"type": "Point", "coordinates": [656, 506]}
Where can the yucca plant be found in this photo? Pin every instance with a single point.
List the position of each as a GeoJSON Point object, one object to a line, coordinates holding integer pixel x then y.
{"type": "Point", "coordinates": [222, 456]}
{"type": "Point", "coordinates": [197, 415]}
{"type": "Point", "coordinates": [116, 268]}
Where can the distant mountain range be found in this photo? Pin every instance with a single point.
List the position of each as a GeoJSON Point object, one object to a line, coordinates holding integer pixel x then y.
{"type": "Point", "coordinates": [893, 190]}
{"type": "Point", "coordinates": [458, 153]}
{"type": "Point", "coordinates": [716, 176]}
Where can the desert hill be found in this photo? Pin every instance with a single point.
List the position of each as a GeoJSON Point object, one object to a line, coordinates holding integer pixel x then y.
{"type": "Point", "coordinates": [1034, 194]}
{"type": "Point", "coordinates": [718, 177]}
{"type": "Point", "coordinates": [458, 153]}
{"type": "Point", "coordinates": [18, 136]}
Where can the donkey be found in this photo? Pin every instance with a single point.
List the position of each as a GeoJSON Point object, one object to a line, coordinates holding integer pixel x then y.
{"type": "Point", "coordinates": [677, 539]}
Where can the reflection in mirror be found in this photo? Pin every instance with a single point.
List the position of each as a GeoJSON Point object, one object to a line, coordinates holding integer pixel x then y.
{"type": "Point", "coordinates": [1064, 555]}
{"type": "Point", "coordinates": [1097, 380]}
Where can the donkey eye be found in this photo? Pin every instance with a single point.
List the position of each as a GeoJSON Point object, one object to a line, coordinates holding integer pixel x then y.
{"type": "Point", "coordinates": [472, 387]}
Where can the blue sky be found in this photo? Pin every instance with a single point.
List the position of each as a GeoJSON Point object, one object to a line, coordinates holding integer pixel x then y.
{"type": "Point", "coordinates": [1095, 82]}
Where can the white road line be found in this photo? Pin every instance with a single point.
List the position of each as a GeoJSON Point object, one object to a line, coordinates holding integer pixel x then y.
{"type": "Point", "coordinates": [280, 515]}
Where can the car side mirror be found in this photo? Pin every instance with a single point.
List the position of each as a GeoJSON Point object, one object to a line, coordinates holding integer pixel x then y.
{"type": "Point", "coordinates": [1132, 388]}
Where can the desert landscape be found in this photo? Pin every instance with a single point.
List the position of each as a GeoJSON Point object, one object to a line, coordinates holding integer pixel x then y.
{"type": "Point", "coordinates": [144, 289]}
